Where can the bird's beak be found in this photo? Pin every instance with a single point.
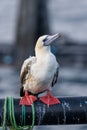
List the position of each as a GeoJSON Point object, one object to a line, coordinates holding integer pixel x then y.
{"type": "Point", "coordinates": [52, 38]}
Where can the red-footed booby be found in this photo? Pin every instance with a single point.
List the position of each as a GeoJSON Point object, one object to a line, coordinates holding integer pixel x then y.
{"type": "Point", "coordinates": [39, 73]}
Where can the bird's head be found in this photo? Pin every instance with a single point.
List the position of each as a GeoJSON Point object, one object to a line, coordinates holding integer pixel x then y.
{"type": "Point", "coordinates": [44, 42]}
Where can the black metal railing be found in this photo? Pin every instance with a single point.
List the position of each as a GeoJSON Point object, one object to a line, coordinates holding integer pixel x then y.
{"type": "Point", "coordinates": [72, 110]}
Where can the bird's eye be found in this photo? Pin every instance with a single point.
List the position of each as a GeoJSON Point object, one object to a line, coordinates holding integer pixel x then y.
{"type": "Point", "coordinates": [45, 39]}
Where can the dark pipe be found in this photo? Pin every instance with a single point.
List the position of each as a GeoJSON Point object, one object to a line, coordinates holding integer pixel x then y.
{"type": "Point", "coordinates": [72, 110]}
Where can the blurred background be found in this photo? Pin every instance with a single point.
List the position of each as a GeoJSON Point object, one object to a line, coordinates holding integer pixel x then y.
{"type": "Point", "coordinates": [22, 22]}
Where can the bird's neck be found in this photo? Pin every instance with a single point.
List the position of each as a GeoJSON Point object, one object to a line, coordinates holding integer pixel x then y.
{"type": "Point", "coordinates": [43, 55]}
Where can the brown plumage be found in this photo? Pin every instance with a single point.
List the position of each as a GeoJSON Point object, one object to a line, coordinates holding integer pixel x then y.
{"type": "Point", "coordinates": [55, 77]}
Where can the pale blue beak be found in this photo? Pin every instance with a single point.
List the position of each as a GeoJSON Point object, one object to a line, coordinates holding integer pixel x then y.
{"type": "Point", "coordinates": [51, 39]}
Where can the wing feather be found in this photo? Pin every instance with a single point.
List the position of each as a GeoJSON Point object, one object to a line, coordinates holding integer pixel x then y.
{"type": "Point", "coordinates": [25, 71]}
{"type": "Point", "coordinates": [26, 67]}
{"type": "Point", "coordinates": [55, 76]}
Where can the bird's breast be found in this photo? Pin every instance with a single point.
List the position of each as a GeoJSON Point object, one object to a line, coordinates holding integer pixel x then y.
{"type": "Point", "coordinates": [42, 73]}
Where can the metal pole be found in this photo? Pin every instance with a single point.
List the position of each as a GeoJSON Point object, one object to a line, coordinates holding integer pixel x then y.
{"type": "Point", "coordinates": [72, 110]}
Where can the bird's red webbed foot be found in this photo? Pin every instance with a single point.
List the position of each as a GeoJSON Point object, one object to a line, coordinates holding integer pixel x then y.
{"type": "Point", "coordinates": [27, 99]}
{"type": "Point", "coordinates": [49, 99]}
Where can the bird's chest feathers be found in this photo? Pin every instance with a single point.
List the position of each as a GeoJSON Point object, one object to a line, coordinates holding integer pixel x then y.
{"type": "Point", "coordinates": [43, 71]}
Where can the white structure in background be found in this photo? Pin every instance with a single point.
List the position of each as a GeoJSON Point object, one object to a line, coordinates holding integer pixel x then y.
{"type": "Point", "coordinates": [66, 16]}
{"type": "Point", "coordinates": [69, 17]}
{"type": "Point", "coordinates": [8, 17]}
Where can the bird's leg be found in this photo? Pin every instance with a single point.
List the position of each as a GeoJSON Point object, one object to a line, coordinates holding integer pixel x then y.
{"type": "Point", "coordinates": [49, 99]}
{"type": "Point", "coordinates": [27, 99]}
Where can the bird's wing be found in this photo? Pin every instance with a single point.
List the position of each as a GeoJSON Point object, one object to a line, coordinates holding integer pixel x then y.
{"type": "Point", "coordinates": [25, 71]}
{"type": "Point", "coordinates": [55, 76]}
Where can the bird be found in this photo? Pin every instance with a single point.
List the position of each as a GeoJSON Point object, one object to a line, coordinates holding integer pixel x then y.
{"type": "Point", "coordinates": [39, 73]}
